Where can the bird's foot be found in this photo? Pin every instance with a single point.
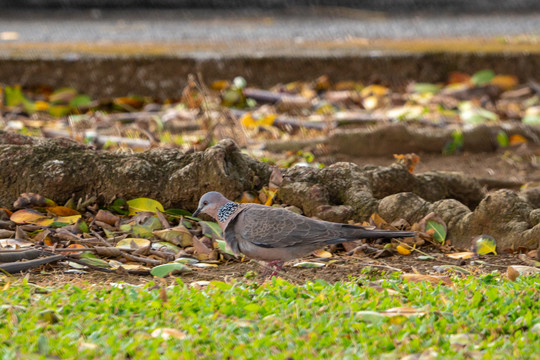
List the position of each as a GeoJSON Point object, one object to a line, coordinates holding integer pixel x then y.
{"type": "Point", "coordinates": [273, 268]}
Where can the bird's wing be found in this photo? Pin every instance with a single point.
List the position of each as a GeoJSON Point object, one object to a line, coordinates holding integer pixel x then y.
{"type": "Point", "coordinates": [272, 227]}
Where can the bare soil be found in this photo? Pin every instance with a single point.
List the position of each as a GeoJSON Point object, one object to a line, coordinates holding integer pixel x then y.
{"type": "Point", "coordinates": [345, 268]}
{"type": "Point", "coordinates": [518, 164]}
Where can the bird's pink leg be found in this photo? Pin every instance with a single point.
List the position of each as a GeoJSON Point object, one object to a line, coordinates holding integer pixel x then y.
{"type": "Point", "coordinates": [277, 265]}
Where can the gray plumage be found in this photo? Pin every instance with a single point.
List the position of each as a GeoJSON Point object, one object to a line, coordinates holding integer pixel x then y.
{"type": "Point", "coordinates": [272, 234]}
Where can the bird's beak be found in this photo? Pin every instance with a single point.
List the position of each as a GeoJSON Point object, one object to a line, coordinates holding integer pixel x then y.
{"type": "Point", "coordinates": [197, 212]}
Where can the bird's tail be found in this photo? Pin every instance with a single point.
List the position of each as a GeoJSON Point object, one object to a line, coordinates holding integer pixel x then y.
{"type": "Point", "coordinates": [353, 232]}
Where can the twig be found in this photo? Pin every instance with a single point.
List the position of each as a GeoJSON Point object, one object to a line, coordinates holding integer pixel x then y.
{"type": "Point", "coordinates": [100, 238]}
{"type": "Point", "coordinates": [381, 266]}
{"type": "Point", "coordinates": [90, 249]}
{"type": "Point", "coordinates": [141, 259]}
{"type": "Point", "coordinates": [271, 97]}
{"type": "Point", "coordinates": [15, 267]}
{"type": "Point", "coordinates": [98, 268]}
{"type": "Point", "coordinates": [9, 255]}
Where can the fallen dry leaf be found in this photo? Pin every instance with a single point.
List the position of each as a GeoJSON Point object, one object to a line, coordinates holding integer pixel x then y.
{"type": "Point", "coordinates": [461, 255]}
{"type": "Point", "coordinates": [167, 333]}
{"type": "Point", "coordinates": [429, 278]}
{"type": "Point", "coordinates": [511, 273]}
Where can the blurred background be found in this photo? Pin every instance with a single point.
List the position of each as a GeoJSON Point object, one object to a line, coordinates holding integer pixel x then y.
{"type": "Point", "coordinates": [382, 5]}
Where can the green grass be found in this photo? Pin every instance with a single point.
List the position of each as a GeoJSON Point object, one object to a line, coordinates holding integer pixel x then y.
{"type": "Point", "coordinates": [276, 320]}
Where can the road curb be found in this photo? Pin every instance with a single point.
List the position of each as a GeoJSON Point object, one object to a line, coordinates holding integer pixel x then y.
{"type": "Point", "coordinates": [165, 76]}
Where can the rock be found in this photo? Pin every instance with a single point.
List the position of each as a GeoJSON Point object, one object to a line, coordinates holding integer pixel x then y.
{"type": "Point", "coordinates": [408, 206]}
{"type": "Point", "coordinates": [532, 196]}
{"type": "Point", "coordinates": [400, 138]}
{"type": "Point", "coordinates": [334, 213]}
{"type": "Point", "coordinates": [388, 139]}
{"type": "Point", "coordinates": [505, 216]}
{"type": "Point", "coordinates": [436, 185]}
{"type": "Point", "coordinates": [457, 217]}
{"type": "Point", "coordinates": [389, 180]}
{"type": "Point", "coordinates": [60, 168]}
{"type": "Point", "coordinates": [534, 217]}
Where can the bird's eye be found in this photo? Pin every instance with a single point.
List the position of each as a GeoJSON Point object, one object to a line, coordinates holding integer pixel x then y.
{"type": "Point", "coordinates": [205, 203]}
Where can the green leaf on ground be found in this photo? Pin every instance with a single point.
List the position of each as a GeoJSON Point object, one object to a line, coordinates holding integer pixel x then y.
{"type": "Point", "coordinates": [482, 77]}
{"type": "Point", "coordinates": [144, 204]}
{"type": "Point", "coordinates": [502, 139]}
{"type": "Point", "coordinates": [80, 101]}
{"type": "Point", "coordinates": [455, 145]}
{"type": "Point", "coordinates": [166, 269]}
{"type": "Point", "coordinates": [439, 230]}
{"type": "Point", "coordinates": [13, 95]}
{"type": "Point", "coordinates": [212, 229]}
{"type": "Point", "coordinates": [222, 245]}
{"type": "Point", "coordinates": [177, 212]}
{"type": "Point", "coordinates": [119, 206]}
{"type": "Point", "coordinates": [423, 88]}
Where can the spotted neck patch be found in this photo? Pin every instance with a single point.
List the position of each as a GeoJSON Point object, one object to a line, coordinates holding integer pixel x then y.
{"type": "Point", "coordinates": [226, 210]}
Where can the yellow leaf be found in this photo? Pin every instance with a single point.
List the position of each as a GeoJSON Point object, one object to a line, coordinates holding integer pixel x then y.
{"type": "Point", "coordinates": [250, 122]}
{"type": "Point", "coordinates": [461, 255]}
{"type": "Point", "coordinates": [26, 216]}
{"type": "Point", "coordinates": [219, 85]}
{"type": "Point", "coordinates": [126, 100]}
{"type": "Point", "coordinates": [144, 204]}
{"type": "Point", "coordinates": [517, 139]}
{"type": "Point", "coordinates": [429, 278]}
{"type": "Point", "coordinates": [270, 197]}
{"type": "Point", "coordinates": [403, 250]}
{"type": "Point", "coordinates": [41, 105]}
{"type": "Point", "coordinates": [43, 221]}
{"type": "Point", "coordinates": [133, 243]}
{"type": "Point", "coordinates": [75, 246]}
{"type": "Point", "coordinates": [485, 244]}
{"type": "Point", "coordinates": [62, 211]}
{"type": "Point", "coordinates": [377, 220]}
{"type": "Point", "coordinates": [68, 219]}
{"type": "Point", "coordinates": [322, 254]}
{"type": "Point", "coordinates": [374, 90]}
{"type": "Point", "coordinates": [505, 82]}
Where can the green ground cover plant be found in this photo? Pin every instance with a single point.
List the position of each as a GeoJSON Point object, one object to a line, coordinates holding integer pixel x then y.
{"type": "Point", "coordinates": [487, 317]}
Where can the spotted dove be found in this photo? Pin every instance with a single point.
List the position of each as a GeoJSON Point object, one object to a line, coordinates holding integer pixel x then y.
{"type": "Point", "coordinates": [275, 234]}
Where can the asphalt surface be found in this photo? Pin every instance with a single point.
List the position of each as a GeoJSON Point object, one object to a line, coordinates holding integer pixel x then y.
{"type": "Point", "coordinates": [112, 52]}
{"type": "Point", "coordinates": [244, 27]}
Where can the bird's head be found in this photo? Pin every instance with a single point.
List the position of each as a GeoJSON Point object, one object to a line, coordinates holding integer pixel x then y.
{"type": "Point", "coordinates": [210, 203]}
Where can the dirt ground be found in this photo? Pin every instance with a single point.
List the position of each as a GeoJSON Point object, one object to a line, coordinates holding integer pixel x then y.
{"type": "Point", "coordinates": [345, 268]}
{"type": "Point", "coordinates": [519, 164]}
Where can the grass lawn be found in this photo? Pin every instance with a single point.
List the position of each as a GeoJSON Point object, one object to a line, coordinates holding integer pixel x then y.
{"type": "Point", "coordinates": [485, 317]}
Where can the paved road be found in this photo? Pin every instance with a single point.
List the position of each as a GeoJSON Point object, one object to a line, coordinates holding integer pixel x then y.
{"type": "Point", "coordinates": [151, 52]}
{"type": "Point", "coordinates": [243, 27]}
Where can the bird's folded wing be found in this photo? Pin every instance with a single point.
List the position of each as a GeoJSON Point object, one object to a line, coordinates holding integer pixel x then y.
{"type": "Point", "coordinates": [271, 227]}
